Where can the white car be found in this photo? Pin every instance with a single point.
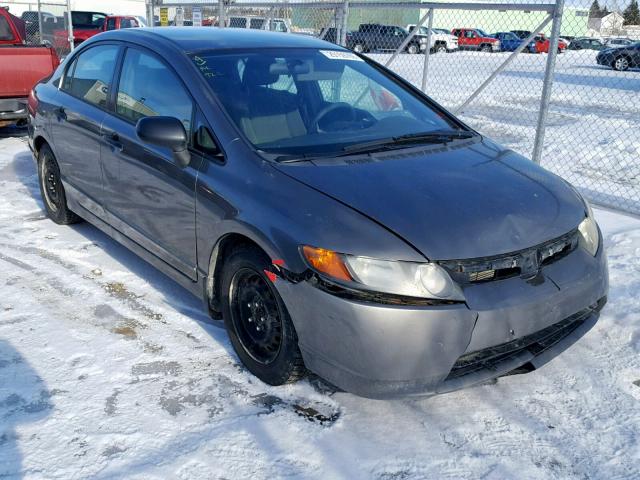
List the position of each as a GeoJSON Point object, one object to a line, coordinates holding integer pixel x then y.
{"type": "Point", "coordinates": [441, 40]}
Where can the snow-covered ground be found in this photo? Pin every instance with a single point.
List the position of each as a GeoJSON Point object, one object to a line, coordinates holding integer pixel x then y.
{"type": "Point", "coordinates": [593, 129]}
{"type": "Point", "coordinates": [110, 370]}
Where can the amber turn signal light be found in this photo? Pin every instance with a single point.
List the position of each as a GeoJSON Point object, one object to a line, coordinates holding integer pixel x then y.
{"type": "Point", "coordinates": [327, 262]}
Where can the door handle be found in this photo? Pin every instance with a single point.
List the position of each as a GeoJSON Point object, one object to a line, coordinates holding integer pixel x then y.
{"type": "Point", "coordinates": [113, 139]}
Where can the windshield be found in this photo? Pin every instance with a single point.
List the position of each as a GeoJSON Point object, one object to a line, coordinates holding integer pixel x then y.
{"type": "Point", "coordinates": [313, 102]}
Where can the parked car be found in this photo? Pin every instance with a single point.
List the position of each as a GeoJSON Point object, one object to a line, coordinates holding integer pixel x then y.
{"type": "Point", "coordinates": [509, 41]}
{"type": "Point", "coordinates": [88, 24]}
{"type": "Point", "coordinates": [354, 238]}
{"type": "Point", "coordinates": [475, 39]}
{"type": "Point", "coordinates": [22, 67]}
{"type": "Point", "coordinates": [85, 25]}
{"type": "Point", "coordinates": [372, 37]}
{"type": "Point", "coordinates": [618, 42]}
{"type": "Point", "coordinates": [260, 23]}
{"type": "Point", "coordinates": [331, 35]}
{"type": "Point", "coordinates": [620, 58]}
{"type": "Point", "coordinates": [540, 44]}
{"type": "Point", "coordinates": [585, 43]}
{"type": "Point", "coordinates": [441, 40]}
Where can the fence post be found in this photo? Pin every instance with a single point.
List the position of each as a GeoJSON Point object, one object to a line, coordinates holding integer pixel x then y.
{"type": "Point", "coordinates": [548, 81]}
{"type": "Point", "coordinates": [222, 17]}
{"type": "Point", "coordinates": [427, 52]}
{"type": "Point", "coordinates": [150, 20]}
{"type": "Point", "coordinates": [344, 23]}
{"type": "Point", "coordinates": [39, 22]}
{"type": "Point", "coordinates": [70, 26]}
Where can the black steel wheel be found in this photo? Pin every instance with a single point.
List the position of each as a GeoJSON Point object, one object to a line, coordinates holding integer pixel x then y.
{"type": "Point", "coordinates": [52, 190]}
{"type": "Point", "coordinates": [255, 315]}
{"type": "Point", "coordinates": [259, 326]}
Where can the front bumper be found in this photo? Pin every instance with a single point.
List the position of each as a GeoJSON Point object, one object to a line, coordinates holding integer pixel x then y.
{"type": "Point", "coordinates": [385, 351]}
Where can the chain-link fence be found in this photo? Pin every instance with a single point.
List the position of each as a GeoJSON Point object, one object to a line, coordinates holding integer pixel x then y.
{"type": "Point", "coordinates": [46, 22]}
{"type": "Point", "coordinates": [575, 110]}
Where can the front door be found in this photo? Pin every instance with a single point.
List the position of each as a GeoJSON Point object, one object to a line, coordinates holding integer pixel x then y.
{"type": "Point", "coordinates": [149, 198]}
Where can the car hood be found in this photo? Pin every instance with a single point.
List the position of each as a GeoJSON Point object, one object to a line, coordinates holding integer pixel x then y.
{"type": "Point", "coordinates": [469, 199]}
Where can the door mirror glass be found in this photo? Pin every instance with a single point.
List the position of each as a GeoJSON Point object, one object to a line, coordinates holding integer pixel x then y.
{"type": "Point", "coordinates": [165, 132]}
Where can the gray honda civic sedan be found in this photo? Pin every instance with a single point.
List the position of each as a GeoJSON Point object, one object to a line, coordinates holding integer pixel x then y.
{"type": "Point", "coordinates": [338, 219]}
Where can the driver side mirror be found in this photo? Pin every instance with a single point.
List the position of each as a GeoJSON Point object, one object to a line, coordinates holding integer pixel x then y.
{"type": "Point", "coordinates": [166, 132]}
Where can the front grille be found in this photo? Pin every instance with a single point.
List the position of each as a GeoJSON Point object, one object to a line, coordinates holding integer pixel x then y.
{"type": "Point", "coordinates": [525, 263]}
{"type": "Point", "coordinates": [535, 343]}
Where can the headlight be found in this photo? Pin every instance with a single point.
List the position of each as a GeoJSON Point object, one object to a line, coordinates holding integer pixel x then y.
{"type": "Point", "coordinates": [411, 279]}
{"type": "Point", "coordinates": [589, 235]}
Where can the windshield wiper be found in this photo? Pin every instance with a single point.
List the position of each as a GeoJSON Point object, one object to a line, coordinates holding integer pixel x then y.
{"type": "Point", "coordinates": [435, 136]}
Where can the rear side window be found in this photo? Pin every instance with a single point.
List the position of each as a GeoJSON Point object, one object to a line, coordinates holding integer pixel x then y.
{"type": "Point", "coordinates": [149, 88]}
{"type": "Point", "coordinates": [90, 74]}
{"type": "Point", "coordinates": [5, 30]}
{"type": "Point", "coordinates": [111, 24]}
{"type": "Point", "coordinates": [127, 23]}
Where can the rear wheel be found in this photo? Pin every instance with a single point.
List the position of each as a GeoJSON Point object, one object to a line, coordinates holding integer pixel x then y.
{"type": "Point", "coordinates": [259, 326]}
{"type": "Point", "coordinates": [441, 48]}
{"type": "Point", "coordinates": [621, 63]}
{"type": "Point", "coordinates": [52, 190]}
{"type": "Point", "coordinates": [358, 48]}
{"type": "Point", "coordinates": [486, 48]}
{"type": "Point", "coordinates": [412, 49]}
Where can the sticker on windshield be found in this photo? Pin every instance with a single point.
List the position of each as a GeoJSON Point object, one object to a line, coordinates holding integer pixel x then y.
{"type": "Point", "coordinates": [338, 55]}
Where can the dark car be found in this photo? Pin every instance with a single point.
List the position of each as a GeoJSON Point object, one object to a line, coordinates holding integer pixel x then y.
{"type": "Point", "coordinates": [585, 43]}
{"type": "Point", "coordinates": [620, 58]}
{"type": "Point", "coordinates": [371, 37]}
{"type": "Point", "coordinates": [333, 215]}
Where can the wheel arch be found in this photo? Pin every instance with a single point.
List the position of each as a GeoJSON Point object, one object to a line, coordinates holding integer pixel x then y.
{"type": "Point", "coordinates": [222, 248]}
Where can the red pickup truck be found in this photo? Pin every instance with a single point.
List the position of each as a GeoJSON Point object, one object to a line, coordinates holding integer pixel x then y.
{"type": "Point", "coordinates": [88, 24]}
{"type": "Point", "coordinates": [475, 39]}
{"type": "Point", "coordinates": [22, 66]}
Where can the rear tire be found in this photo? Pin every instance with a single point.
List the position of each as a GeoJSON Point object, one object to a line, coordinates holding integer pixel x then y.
{"type": "Point", "coordinates": [257, 321]}
{"type": "Point", "coordinates": [358, 48]}
{"type": "Point", "coordinates": [52, 190]}
{"type": "Point", "coordinates": [441, 49]}
{"type": "Point", "coordinates": [413, 49]}
{"type": "Point", "coordinates": [486, 48]}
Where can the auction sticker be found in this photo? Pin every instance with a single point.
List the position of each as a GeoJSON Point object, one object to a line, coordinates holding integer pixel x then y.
{"type": "Point", "coordinates": [339, 55]}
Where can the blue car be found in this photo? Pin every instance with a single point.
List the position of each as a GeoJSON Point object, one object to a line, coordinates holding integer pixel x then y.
{"type": "Point", "coordinates": [508, 41]}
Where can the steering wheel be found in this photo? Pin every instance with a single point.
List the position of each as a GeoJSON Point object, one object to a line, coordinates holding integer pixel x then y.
{"type": "Point", "coordinates": [315, 125]}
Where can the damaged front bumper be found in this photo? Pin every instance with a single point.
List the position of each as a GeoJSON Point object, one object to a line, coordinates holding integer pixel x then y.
{"type": "Point", "coordinates": [384, 351]}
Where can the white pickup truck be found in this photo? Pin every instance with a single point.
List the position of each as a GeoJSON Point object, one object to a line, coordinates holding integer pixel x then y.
{"type": "Point", "coordinates": [441, 40]}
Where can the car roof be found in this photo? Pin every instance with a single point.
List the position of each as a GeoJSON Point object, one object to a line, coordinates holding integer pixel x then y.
{"type": "Point", "coordinates": [211, 38]}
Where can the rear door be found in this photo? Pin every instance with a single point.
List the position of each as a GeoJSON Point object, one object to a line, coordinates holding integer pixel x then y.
{"type": "Point", "coordinates": [81, 107]}
{"type": "Point", "coordinates": [149, 197]}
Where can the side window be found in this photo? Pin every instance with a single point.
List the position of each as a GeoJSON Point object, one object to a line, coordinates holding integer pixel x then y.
{"type": "Point", "coordinates": [149, 88]}
{"type": "Point", "coordinates": [89, 75]}
{"type": "Point", "coordinates": [256, 23]}
{"type": "Point", "coordinates": [126, 23]}
{"type": "Point", "coordinates": [5, 30]}
{"type": "Point", "coordinates": [111, 24]}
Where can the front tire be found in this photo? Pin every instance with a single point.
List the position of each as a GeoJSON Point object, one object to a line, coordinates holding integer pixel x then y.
{"type": "Point", "coordinates": [257, 321]}
{"type": "Point", "coordinates": [621, 64]}
{"type": "Point", "coordinates": [412, 49]}
{"type": "Point", "coordinates": [486, 48]}
{"type": "Point", "coordinates": [52, 190]}
{"type": "Point", "coordinates": [358, 48]}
